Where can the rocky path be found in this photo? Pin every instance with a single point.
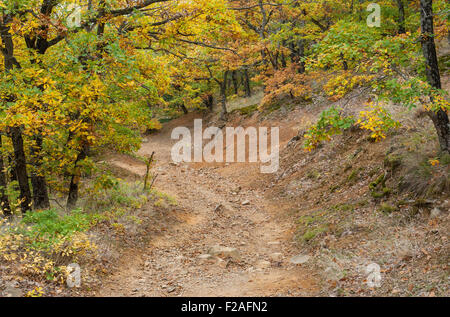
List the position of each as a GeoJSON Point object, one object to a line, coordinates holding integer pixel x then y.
{"type": "Point", "coordinates": [230, 243]}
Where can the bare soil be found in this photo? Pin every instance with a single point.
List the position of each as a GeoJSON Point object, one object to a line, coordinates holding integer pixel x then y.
{"type": "Point", "coordinates": [210, 212]}
{"type": "Point", "coordinates": [318, 205]}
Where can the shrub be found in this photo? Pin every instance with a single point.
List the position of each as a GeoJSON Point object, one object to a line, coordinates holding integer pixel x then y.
{"type": "Point", "coordinates": [377, 120]}
{"type": "Point", "coordinates": [331, 122]}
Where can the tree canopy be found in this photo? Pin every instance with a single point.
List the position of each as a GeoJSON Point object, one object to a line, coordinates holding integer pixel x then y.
{"type": "Point", "coordinates": [82, 76]}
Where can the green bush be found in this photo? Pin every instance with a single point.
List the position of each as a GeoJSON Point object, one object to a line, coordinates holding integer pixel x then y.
{"type": "Point", "coordinates": [49, 227]}
{"type": "Point", "coordinates": [331, 122]}
{"type": "Point", "coordinates": [50, 222]}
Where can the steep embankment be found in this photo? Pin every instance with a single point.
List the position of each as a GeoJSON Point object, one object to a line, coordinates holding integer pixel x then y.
{"type": "Point", "coordinates": [360, 203]}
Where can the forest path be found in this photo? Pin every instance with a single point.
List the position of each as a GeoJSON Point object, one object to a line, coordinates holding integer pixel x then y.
{"type": "Point", "coordinates": [214, 209]}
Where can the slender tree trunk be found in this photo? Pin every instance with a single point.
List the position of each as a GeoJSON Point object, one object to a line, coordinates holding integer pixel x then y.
{"type": "Point", "coordinates": [223, 93]}
{"type": "Point", "coordinates": [5, 208]}
{"type": "Point", "coordinates": [344, 62]}
{"type": "Point", "coordinates": [38, 182]}
{"type": "Point", "coordinates": [293, 52]}
{"type": "Point", "coordinates": [301, 54]}
{"type": "Point", "coordinates": [101, 29]}
{"type": "Point", "coordinates": [282, 55]}
{"type": "Point", "coordinates": [209, 102]}
{"type": "Point", "coordinates": [439, 118]}
{"type": "Point", "coordinates": [246, 78]}
{"type": "Point", "coordinates": [75, 179]}
{"type": "Point", "coordinates": [8, 45]}
{"type": "Point", "coordinates": [361, 10]}
{"type": "Point", "coordinates": [297, 54]}
{"type": "Point", "coordinates": [72, 198]}
{"type": "Point", "coordinates": [9, 62]}
{"type": "Point", "coordinates": [401, 17]}
{"type": "Point", "coordinates": [183, 107]}
{"type": "Point", "coordinates": [283, 60]}
{"type": "Point", "coordinates": [274, 60]}
{"type": "Point", "coordinates": [21, 168]}
{"type": "Point", "coordinates": [234, 77]}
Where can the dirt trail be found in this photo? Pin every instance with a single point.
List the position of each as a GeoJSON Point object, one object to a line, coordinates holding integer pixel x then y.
{"type": "Point", "coordinates": [177, 264]}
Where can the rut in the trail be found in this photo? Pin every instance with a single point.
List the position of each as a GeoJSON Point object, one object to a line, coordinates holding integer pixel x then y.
{"type": "Point", "coordinates": [178, 264]}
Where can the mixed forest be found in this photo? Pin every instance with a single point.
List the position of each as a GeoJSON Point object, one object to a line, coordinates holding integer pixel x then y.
{"type": "Point", "coordinates": [81, 79]}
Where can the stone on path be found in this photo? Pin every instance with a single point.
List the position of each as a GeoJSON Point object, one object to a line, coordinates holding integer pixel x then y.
{"type": "Point", "coordinates": [263, 264]}
{"type": "Point", "coordinates": [300, 259]}
{"type": "Point", "coordinates": [276, 257]}
{"type": "Point", "coordinates": [206, 259]}
{"type": "Point", "coordinates": [222, 263]}
{"type": "Point", "coordinates": [224, 252]}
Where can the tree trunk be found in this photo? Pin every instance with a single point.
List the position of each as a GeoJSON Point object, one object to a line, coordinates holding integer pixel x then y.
{"type": "Point", "coordinates": [8, 45]}
{"type": "Point", "coordinates": [248, 90]}
{"type": "Point", "coordinates": [38, 182]}
{"type": "Point", "coordinates": [40, 191]}
{"type": "Point", "coordinates": [9, 62]}
{"type": "Point", "coordinates": [183, 107]}
{"type": "Point", "coordinates": [344, 62]}
{"type": "Point", "coordinates": [274, 59]}
{"type": "Point", "coordinates": [223, 93]}
{"type": "Point", "coordinates": [21, 169]}
{"type": "Point", "coordinates": [439, 118]}
{"type": "Point", "coordinates": [362, 10]}
{"type": "Point", "coordinates": [442, 125]}
{"type": "Point", "coordinates": [72, 198]}
{"type": "Point", "coordinates": [283, 60]}
{"type": "Point", "coordinates": [235, 82]}
{"type": "Point", "coordinates": [209, 102]}
{"type": "Point", "coordinates": [401, 17]}
{"type": "Point", "coordinates": [301, 54]}
{"type": "Point", "coordinates": [5, 208]}
{"type": "Point", "coordinates": [297, 54]}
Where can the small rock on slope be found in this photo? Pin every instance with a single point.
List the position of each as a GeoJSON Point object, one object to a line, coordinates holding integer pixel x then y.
{"type": "Point", "coordinates": [300, 259]}
{"type": "Point", "coordinates": [225, 252]}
